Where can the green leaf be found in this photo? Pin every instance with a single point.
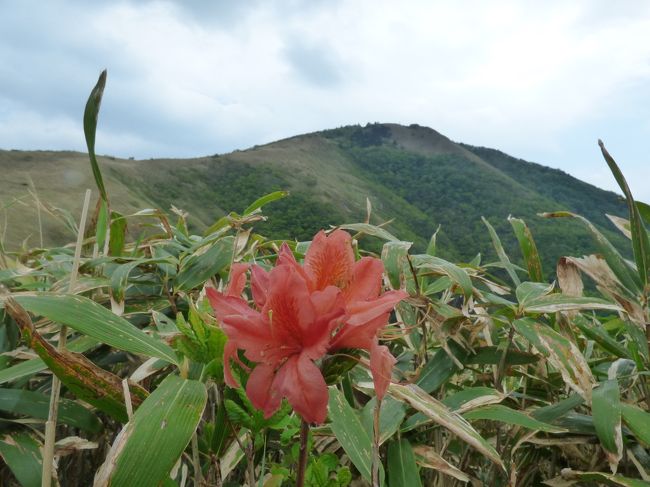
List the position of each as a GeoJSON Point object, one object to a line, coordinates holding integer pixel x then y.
{"type": "Point", "coordinates": [616, 262]}
{"type": "Point", "coordinates": [441, 266]}
{"type": "Point", "coordinates": [438, 412]}
{"type": "Point", "coordinates": [560, 302]}
{"type": "Point", "coordinates": [528, 249]}
{"type": "Point", "coordinates": [268, 198]}
{"type": "Point", "coordinates": [644, 211]}
{"type": "Point", "coordinates": [471, 397]}
{"type": "Point", "coordinates": [102, 224]}
{"type": "Point", "coordinates": [640, 240]}
{"type": "Point", "coordinates": [638, 421]}
{"type": "Point", "coordinates": [373, 230]}
{"type": "Point", "coordinates": [91, 113]}
{"type": "Point", "coordinates": [503, 257]}
{"type": "Point", "coordinates": [606, 410]}
{"type": "Point", "coordinates": [402, 469]}
{"type": "Point", "coordinates": [563, 354]}
{"type": "Point", "coordinates": [21, 452]}
{"type": "Point", "coordinates": [120, 276]}
{"type": "Point", "coordinates": [36, 405]}
{"type": "Point", "coordinates": [529, 291]}
{"type": "Point", "coordinates": [351, 434]}
{"type": "Point", "coordinates": [149, 445]}
{"type": "Point", "coordinates": [92, 319]}
{"type": "Point", "coordinates": [594, 331]}
{"type": "Point", "coordinates": [391, 415]}
{"type": "Point", "coordinates": [503, 414]}
{"type": "Point", "coordinates": [394, 255]}
{"type": "Point", "coordinates": [117, 234]}
{"type": "Point", "coordinates": [205, 263]}
{"type": "Point", "coordinates": [439, 369]}
{"type": "Point", "coordinates": [554, 411]}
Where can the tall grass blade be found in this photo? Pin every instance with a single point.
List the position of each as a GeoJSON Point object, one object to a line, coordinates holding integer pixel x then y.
{"type": "Point", "coordinates": [91, 114]}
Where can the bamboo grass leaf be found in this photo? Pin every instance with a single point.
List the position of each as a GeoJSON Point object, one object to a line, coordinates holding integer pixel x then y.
{"type": "Point", "coordinates": [21, 452]}
{"type": "Point", "coordinates": [438, 412]}
{"type": "Point", "coordinates": [402, 469]}
{"type": "Point", "coordinates": [149, 445]}
{"type": "Point", "coordinates": [606, 409]}
{"type": "Point", "coordinates": [92, 319]}
{"type": "Point", "coordinates": [91, 114]}
{"type": "Point", "coordinates": [351, 434]}
{"type": "Point", "coordinates": [528, 249]}
{"type": "Point", "coordinates": [640, 240]}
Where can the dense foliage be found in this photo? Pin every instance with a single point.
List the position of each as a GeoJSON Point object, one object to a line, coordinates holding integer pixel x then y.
{"type": "Point", "coordinates": [502, 377]}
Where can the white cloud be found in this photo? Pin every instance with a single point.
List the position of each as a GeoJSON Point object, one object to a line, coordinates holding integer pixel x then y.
{"type": "Point", "coordinates": [519, 76]}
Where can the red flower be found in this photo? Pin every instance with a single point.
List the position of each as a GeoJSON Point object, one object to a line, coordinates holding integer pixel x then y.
{"type": "Point", "coordinates": [331, 302]}
{"type": "Point", "coordinates": [291, 329]}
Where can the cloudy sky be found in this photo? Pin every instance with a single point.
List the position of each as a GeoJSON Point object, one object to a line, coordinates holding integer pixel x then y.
{"type": "Point", "coordinates": [538, 80]}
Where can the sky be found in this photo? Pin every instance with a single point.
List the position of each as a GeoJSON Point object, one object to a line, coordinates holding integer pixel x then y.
{"type": "Point", "coordinates": [538, 80]}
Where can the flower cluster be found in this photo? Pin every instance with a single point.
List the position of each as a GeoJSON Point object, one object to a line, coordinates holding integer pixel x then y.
{"type": "Point", "coordinates": [301, 313]}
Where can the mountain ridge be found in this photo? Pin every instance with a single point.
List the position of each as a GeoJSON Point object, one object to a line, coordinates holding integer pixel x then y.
{"type": "Point", "coordinates": [412, 174]}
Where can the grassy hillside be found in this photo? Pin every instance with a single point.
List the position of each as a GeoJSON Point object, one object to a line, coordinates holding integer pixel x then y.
{"type": "Point", "coordinates": [413, 175]}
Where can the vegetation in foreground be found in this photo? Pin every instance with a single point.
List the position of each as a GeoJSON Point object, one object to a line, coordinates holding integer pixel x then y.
{"type": "Point", "coordinates": [113, 364]}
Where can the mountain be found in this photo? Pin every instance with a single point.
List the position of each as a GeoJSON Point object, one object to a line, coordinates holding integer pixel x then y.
{"type": "Point", "coordinates": [412, 175]}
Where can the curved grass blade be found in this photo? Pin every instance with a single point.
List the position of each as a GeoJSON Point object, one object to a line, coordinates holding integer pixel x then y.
{"type": "Point", "coordinates": [640, 240]}
{"type": "Point", "coordinates": [503, 257]}
{"type": "Point", "coordinates": [528, 249]}
{"type": "Point", "coordinates": [258, 203]}
{"type": "Point", "coordinates": [91, 114]}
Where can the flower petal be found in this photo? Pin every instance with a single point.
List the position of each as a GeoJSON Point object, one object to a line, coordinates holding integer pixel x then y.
{"type": "Point", "coordinates": [381, 366]}
{"type": "Point", "coordinates": [259, 285]}
{"type": "Point", "coordinates": [329, 260]}
{"type": "Point", "coordinates": [237, 280]}
{"type": "Point", "coordinates": [250, 333]}
{"type": "Point", "coordinates": [224, 305]}
{"type": "Point", "coordinates": [259, 390]}
{"type": "Point", "coordinates": [361, 312]}
{"type": "Point", "coordinates": [229, 353]}
{"type": "Point", "coordinates": [302, 383]}
{"type": "Point", "coordinates": [366, 280]}
{"type": "Point", "coordinates": [288, 306]}
{"type": "Point", "coordinates": [359, 336]}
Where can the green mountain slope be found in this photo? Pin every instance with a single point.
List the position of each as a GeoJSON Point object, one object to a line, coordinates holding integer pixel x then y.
{"type": "Point", "coordinates": [412, 175]}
